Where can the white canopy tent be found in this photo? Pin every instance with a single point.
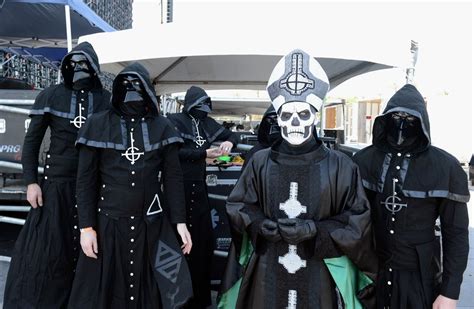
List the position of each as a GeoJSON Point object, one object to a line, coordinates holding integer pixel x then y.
{"type": "Point", "coordinates": [242, 55]}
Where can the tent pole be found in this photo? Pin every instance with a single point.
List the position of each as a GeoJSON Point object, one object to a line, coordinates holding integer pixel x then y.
{"type": "Point", "coordinates": [68, 27]}
{"type": "Point", "coordinates": [410, 72]}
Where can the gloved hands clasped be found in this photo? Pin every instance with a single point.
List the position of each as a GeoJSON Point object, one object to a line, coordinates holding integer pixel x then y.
{"type": "Point", "coordinates": [294, 231]}
{"type": "Point", "coordinates": [269, 230]}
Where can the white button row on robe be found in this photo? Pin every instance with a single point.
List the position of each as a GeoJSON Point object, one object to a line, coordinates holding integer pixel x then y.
{"type": "Point", "coordinates": [132, 227]}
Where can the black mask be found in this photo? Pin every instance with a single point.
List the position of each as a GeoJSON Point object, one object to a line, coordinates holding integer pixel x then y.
{"type": "Point", "coordinates": [199, 114]}
{"type": "Point", "coordinates": [82, 73]}
{"type": "Point", "coordinates": [269, 130]}
{"type": "Point", "coordinates": [403, 129]}
{"type": "Point", "coordinates": [204, 107]}
{"type": "Point", "coordinates": [134, 102]}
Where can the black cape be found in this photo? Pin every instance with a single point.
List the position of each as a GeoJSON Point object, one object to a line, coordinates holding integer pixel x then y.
{"type": "Point", "coordinates": [131, 205]}
{"type": "Point", "coordinates": [45, 254]}
{"type": "Point", "coordinates": [53, 99]}
{"type": "Point", "coordinates": [419, 185]}
{"type": "Point", "coordinates": [330, 187]}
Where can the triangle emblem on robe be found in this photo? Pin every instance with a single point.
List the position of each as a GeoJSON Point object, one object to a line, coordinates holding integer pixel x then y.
{"type": "Point", "coordinates": [155, 207]}
{"type": "Point", "coordinates": [168, 262]}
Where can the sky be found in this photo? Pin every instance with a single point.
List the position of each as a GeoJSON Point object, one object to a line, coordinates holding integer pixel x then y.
{"type": "Point", "coordinates": [442, 29]}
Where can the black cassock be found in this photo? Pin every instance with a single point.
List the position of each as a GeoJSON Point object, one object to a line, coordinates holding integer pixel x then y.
{"type": "Point", "coordinates": [45, 254]}
{"type": "Point", "coordinates": [130, 190]}
{"type": "Point", "coordinates": [408, 190]}
{"type": "Point", "coordinates": [327, 184]}
{"type": "Point", "coordinates": [193, 162]}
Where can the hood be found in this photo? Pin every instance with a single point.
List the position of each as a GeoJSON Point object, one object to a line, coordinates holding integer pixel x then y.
{"type": "Point", "coordinates": [265, 135]}
{"type": "Point", "coordinates": [138, 70]}
{"type": "Point", "coordinates": [194, 96]}
{"type": "Point", "coordinates": [86, 49]}
{"type": "Point", "coordinates": [408, 99]}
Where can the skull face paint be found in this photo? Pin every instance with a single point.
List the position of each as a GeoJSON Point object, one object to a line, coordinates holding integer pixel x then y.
{"type": "Point", "coordinates": [296, 120]}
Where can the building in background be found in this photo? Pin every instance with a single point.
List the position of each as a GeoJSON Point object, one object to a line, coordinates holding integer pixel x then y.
{"type": "Point", "coordinates": [117, 13]}
{"type": "Point", "coordinates": [39, 67]}
{"type": "Point", "coordinates": [350, 120]}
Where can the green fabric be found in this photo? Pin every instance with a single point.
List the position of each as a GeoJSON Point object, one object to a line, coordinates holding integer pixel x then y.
{"type": "Point", "coordinates": [229, 298]}
{"type": "Point", "coordinates": [349, 280]}
{"type": "Point", "coordinates": [347, 277]}
{"type": "Point", "coordinates": [246, 250]}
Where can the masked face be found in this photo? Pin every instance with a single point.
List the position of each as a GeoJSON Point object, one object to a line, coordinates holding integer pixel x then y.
{"type": "Point", "coordinates": [133, 88]}
{"type": "Point", "coordinates": [204, 107]}
{"type": "Point", "coordinates": [201, 110]}
{"type": "Point", "coordinates": [81, 68]}
{"type": "Point", "coordinates": [272, 122]}
{"type": "Point", "coordinates": [296, 120]}
{"type": "Point", "coordinates": [269, 130]}
{"type": "Point", "coordinates": [134, 103]}
{"type": "Point", "coordinates": [402, 126]}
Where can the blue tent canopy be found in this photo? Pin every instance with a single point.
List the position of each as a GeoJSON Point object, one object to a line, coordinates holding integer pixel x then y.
{"type": "Point", "coordinates": [42, 23]}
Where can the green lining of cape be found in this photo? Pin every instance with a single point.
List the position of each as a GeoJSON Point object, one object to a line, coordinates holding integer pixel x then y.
{"type": "Point", "coordinates": [229, 298]}
{"type": "Point", "coordinates": [348, 278]}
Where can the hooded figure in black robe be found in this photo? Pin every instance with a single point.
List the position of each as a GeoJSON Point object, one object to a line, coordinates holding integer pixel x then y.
{"type": "Point", "coordinates": [199, 131]}
{"type": "Point", "coordinates": [299, 217]}
{"type": "Point", "coordinates": [268, 133]}
{"type": "Point", "coordinates": [45, 254]}
{"type": "Point", "coordinates": [411, 183]}
{"type": "Point", "coordinates": [129, 192]}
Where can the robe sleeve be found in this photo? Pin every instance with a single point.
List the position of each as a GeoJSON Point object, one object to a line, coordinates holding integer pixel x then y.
{"type": "Point", "coordinates": [191, 155]}
{"type": "Point", "coordinates": [349, 232]}
{"type": "Point", "coordinates": [31, 147]}
{"type": "Point", "coordinates": [455, 232]}
{"type": "Point", "coordinates": [243, 204]}
{"type": "Point", "coordinates": [87, 186]}
{"type": "Point", "coordinates": [173, 185]}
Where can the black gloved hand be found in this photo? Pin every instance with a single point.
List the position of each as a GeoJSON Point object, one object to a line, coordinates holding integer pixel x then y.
{"type": "Point", "coordinates": [269, 230]}
{"type": "Point", "coordinates": [294, 231]}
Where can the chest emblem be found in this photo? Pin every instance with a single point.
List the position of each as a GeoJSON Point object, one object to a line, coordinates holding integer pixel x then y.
{"type": "Point", "coordinates": [132, 153]}
{"type": "Point", "coordinates": [79, 120]}
{"type": "Point", "coordinates": [392, 202]}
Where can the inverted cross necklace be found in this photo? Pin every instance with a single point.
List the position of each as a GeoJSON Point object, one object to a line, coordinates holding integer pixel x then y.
{"type": "Point", "coordinates": [199, 140]}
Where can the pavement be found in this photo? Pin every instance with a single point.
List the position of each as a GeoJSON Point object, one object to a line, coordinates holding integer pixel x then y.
{"type": "Point", "coordinates": [466, 298]}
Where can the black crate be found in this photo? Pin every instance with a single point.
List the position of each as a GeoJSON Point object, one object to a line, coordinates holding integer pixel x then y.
{"type": "Point", "coordinates": [220, 182]}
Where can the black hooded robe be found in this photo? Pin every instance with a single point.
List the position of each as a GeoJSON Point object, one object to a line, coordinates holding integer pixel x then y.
{"type": "Point", "coordinates": [428, 183]}
{"type": "Point", "coordinates": [193, 163]}
{"type": "Point", "coordinates": [131, 206]}
{"type": "Point", "coordinates": [330, 188]}
{"type": "Point", "coordinates": [45, 254]}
